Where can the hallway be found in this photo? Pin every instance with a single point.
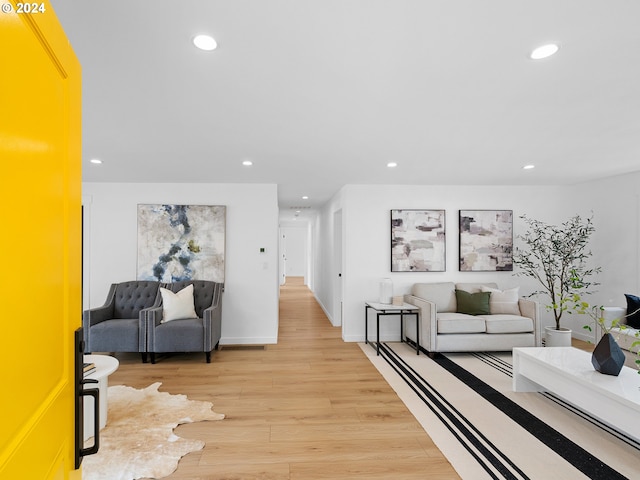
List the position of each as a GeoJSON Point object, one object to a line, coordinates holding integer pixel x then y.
{"type": "Point", "coordinates": [310, 407]}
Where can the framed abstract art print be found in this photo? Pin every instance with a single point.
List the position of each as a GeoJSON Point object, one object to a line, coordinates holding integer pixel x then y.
{"type": "Point", "coordinates": [181, 242]}
{"type": "Point", "coordinates": [486, 240]}
{"type": "Point", "coordinates": [418, 241]}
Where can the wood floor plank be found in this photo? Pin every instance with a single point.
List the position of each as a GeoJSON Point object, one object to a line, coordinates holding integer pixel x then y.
{"type": "Point", "coordinates": [312, 451]}
{"type": "Point", "coordinates": [240, 471]}
{"type": "Point", "coordinates": [396, 469]}
{"type": "Point", "coordinates": [310, 407]}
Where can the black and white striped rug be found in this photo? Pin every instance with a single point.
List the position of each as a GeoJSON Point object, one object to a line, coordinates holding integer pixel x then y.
{"type": "Point", "coordinates": [466, 404]}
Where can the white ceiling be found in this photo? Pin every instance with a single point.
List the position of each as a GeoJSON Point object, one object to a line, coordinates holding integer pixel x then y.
{"type": "Point", "coordinates": [323, 93]}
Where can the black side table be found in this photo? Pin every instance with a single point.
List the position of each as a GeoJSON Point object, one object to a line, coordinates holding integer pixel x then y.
{"type": "Point", "coordinates": [390, 309]}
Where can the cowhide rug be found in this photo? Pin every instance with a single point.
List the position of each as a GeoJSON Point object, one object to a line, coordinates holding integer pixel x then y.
{"type": "Point", "coordinates": [138, 440]}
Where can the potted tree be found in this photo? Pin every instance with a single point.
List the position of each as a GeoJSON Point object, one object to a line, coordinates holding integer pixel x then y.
{"type": "Point", "coordinates": [556, 256]}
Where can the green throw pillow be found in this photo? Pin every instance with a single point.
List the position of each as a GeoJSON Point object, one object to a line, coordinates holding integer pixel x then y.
{"type": "Point", "coordinates": [473, 303]}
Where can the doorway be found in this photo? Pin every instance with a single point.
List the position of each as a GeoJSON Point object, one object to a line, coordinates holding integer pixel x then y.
{"type": "Point", "coordinates": [337, 270]}
{"type": "Point", "coordinates": [293, 253]}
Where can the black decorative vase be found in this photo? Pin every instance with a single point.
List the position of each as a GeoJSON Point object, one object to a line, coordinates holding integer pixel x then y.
{"type": "Point", "coordinates": [608, 357]}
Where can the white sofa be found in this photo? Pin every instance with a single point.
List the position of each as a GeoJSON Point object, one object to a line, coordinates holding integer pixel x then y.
{"type": "Point", "coordinates": [625, 337]}
{"type": "Point", "coordinates": [512, 321]}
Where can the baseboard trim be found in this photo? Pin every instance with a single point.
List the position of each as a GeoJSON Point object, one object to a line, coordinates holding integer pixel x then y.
{"type": "Point", "coordinates": [329, 316]}
{"type": "Point", "coordinates": [248, 341]}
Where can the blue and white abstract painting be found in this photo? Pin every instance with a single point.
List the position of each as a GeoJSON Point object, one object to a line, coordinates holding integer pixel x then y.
{"type": "Point", "coordinates": [181, 242]}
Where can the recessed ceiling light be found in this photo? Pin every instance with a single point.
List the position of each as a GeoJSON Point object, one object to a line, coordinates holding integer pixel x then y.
{"type": "Point", "coordinates": [528, 167]}
{"type": "Point", "coordinates": [305, 198]}
{"type": "Point", "coordinates": [392, 164]}
{"type": "Point", "coordinates": [247, 163]}
{"type": "Point", "coordinates": [96, 161]}
{"type": "Point", "coordinates": [205, 42]}
{"type": "Point", "coordinates": [544, 51]}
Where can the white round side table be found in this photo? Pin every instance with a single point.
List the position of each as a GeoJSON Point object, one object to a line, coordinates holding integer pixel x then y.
{"type": "Point", "coordinates": [105, 366]}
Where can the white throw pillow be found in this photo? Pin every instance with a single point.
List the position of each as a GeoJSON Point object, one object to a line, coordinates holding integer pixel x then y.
{"type": "Point", "coordinates": [177, 305]}
{"type": "Point", "coordinates": [503, 301]}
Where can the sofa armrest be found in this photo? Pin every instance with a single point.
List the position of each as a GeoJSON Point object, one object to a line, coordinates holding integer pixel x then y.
{"type": "Point", "coordinates": [93, 317]}
{"type": "Point", "coordinates": [153, 316]}
{"type": "Point", "coordinates": [212, 314]}
{"type": "Point", "coordinates": [212, 318]}
{"type": "Point", "coordinates": [529, 308]}
{"type": "Point", "coordinates": [627, 338]}
{"type": "Point", "coordinates": [100, 314]}
{"type": "Point", "coordinates": [143, 326]}
{"type": "Point", "coordinates": [96, 315]}
{"type": "Point", "coordinates": [428, 322]}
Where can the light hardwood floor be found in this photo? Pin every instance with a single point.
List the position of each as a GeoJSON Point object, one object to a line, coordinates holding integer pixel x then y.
{"type": "Point", "coordinates": [310, 407]}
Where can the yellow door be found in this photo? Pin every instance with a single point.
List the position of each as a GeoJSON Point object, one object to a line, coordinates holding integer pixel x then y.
{"type": "Point", "coordinates": [40, 242]}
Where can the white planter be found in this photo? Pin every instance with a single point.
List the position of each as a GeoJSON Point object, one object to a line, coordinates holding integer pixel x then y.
{"type": "Point", "coordinates": [557, 338]}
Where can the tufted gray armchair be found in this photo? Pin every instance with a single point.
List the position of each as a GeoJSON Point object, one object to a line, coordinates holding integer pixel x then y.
{"type": "Point", "coordinates": [120, 324]}
{"type": "Point", "coordinates": [200, 334]}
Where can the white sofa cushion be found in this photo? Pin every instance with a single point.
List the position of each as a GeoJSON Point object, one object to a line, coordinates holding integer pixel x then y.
{"type": "Point", "coordinates": [502, 323]}
{"type": "Point", "coordinates": [442, 294]}
{"type": "Point", "coordinates": [452, 322]}
{"type": "Point", "coordinates": [626, 337]}
{"type": "Point", "coordinates": [503, 301]}
{"type": "Point", "coordinates": [475, 287]}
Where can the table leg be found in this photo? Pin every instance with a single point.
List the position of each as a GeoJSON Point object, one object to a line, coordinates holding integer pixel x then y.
{"type": "Point", "coordinates": [417, 334]}
{"type": "Point", "coordinates": [378, 334]}
{"type": "Point", "coordinates": [366, 323]}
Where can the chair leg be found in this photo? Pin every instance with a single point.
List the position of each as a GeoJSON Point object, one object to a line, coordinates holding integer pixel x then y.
{"type": "Point", "coordinates": [208, 354]}
{"type": "Point", "coordinates": [144, 357]}
{"type": "Point", "coordinates": [153, 358]}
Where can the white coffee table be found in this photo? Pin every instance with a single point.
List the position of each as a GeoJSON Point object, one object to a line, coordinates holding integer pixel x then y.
{"type": "Point", "coordinates": [568, 373]}
{"type": "Point", "coordinates": [105, 366]}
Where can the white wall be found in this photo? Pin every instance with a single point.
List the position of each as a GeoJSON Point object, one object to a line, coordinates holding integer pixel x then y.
{"type": "Point", "coordinates": [324, 269]}
{"type": "Point", "coordinates": [615, 202]}
{"type": "Point", "coordinates": [250, 311]}
{"type": "Point", "coordinates": [616, 207]}
{"type": "Point", "coordinates": [250, 300]}
{"type": "Point", "coordinates": [367, 239]}
{"type": "Point", "coordinates": [311, 247]}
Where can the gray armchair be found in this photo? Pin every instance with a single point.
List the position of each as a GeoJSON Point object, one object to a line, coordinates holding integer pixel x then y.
{"type": "Point", "coordinates": [120, 324]}
{"type": "Point", "coordinates": [200, 334]}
